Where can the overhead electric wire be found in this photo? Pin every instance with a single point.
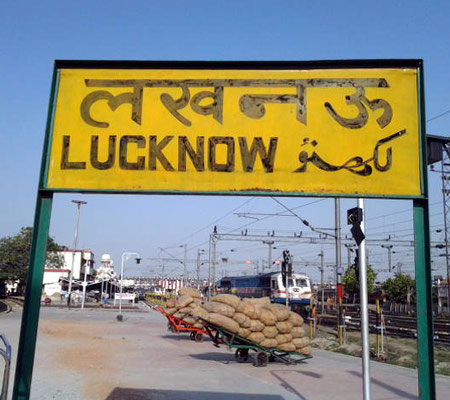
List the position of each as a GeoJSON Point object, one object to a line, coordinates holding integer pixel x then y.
{"type": "Point", "coordinates": [438, 116]}
{"type": "Point", "coordinates": [217, 220]}
{"type": "Point", "coordinates": [400, 212]}
{"type": "Point", "coordinates": [304, 221]}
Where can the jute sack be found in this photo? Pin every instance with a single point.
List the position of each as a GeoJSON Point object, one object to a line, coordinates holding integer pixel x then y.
{"type": "Point", "coordinates": [190, 320]}
{"type": "Point", "coordinates": [248, 309]}
{"type": "Point", "coordinates": [287, 347]}
{"type": "Point", "coordinates": [185, 310]}
{"type": "Point", "coordinates": [170, 303]}
{"type": "Point", "coordinates": [190, 292]}
{"type": "Point", "coordinates": [305, 350]}
{"type": "Point", "coordinates": [256, 337]}
{"type": "Point", "coordinates": [279, 311]}
{"type": "Point", "coordinates": [178, 314]}
{"type": "Point", "coordinates": [244, 332]}
{"type": "Point", "coordinates": [198, 325]}
{"type": "Point", "coordinates": [297, 332]}
{"type": "Point", "coordinates": [282, 338]}
{"type": "Point", "coordinates": [183, 301]}
{"type": "Point", "coordinates": [288, 336]}
{"type": "Point", "coordinates": [269, 343]}
{"type": "Point", "coordinates": [222, 321]}
{"type": "Point", "coordinates": [300, 342]}
{"type": "Point", "coordinates": [270, 332]}
{"type": "Point", "coordinates": [267, 317]}
{"type": "Point", "coordinates": [228, 299]}
{"type": "Point", "coordinates": [199, 312]}
{"type": "Point", "coordinates": [171, 311]}
{"type": "Point", "coordinates": [256, 325]}
{"type": "Point", "coordinates": [284, 326]}
{"type": "Point", "coordinates": [258, 301]}
{"type": "Point", "coordinates": [296, 319]}
{"type": "Point", "coordinates": [242, 320]}
{"type": "Point", "coordinates": [197, 301]}
{"type": "Point", "coordinates": [219, 308]}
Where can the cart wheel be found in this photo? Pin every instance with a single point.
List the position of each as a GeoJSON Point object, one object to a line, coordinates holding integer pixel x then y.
{"type": "Point", "coordinates": [241, 355]}
{"type": "Point", "coordinates": [272, 358]}
{"type": "Point", "coordinates": [192, 335]}
{"type": "Point", "coordinates": [198, 337]}
{"type": "Point", "coordinates": [261, 359]}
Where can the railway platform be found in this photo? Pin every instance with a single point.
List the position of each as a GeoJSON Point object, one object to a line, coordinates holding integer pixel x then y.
{"type": "Point", "coordinates": [90, 355]}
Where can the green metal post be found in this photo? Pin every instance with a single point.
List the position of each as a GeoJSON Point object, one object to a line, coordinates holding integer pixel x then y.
{"type": "Point", "coordinates": [425, 359]}
{"type": "Point", "coordinates": [30, 315]}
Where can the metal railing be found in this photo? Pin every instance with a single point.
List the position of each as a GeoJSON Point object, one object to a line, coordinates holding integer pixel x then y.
{"type": "Point", "coordinates": [6, 353]}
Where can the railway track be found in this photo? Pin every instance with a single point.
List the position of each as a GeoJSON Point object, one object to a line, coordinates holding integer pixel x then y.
{"type": "Point", "coordinates": [395, 325]}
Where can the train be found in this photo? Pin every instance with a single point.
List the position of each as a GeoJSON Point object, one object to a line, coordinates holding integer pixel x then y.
{"type": "Point", "coordinates": [271, 285]}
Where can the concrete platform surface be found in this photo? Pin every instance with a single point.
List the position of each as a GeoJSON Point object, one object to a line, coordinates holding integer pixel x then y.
{"type": "Point", "coordinates": [88, 355]}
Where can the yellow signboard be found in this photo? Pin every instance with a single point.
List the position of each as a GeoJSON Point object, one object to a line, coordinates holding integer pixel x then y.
{"type": "Point", "coordinates": [317, 131]}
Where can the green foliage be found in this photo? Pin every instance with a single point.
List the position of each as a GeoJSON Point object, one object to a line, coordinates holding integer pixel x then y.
{"type": "Point", "coordinates": [396, 289]}
{"type": "Point", "coordinates": [15, 255]}
{"type": "Point", "coordinates": [351, 282]}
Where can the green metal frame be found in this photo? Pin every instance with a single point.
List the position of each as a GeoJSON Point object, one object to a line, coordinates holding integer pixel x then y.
{"type": "Point", "coordinates": [234, 341]}
{"type": "Point", "coordinates": [425, 350]}
{"type": "Point", "coordinates": [30, 317]}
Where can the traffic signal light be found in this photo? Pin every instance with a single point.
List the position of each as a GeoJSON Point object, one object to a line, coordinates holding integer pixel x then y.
{"type": "Point", "coordinates": [283, 270]}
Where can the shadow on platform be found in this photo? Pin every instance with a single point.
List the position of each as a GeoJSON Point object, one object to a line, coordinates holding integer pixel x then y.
{"type": "Point", "coordinates": [224, 358]}
{"type": "Point", "coordinates": [157, 394]}
{"type": "Point", "coordinates": [390, 388]}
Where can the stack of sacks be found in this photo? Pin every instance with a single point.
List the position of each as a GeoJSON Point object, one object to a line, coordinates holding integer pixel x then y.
{"type": "Point", "coordinates": [184, 304]}
{"type": "Point", "coordinates": [270, 325]}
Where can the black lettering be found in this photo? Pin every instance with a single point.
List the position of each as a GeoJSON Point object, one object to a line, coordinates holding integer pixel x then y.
{"type": "Point", "coordinates": [109, 163]}
{"type": "Point", "coordinates": [155, 152]}
{"type": "Point", "coordinates": [229, 142]}
{"type": "Point", "coordinates": [249, 156]}
{"type": "Point", "coordinates": [197, 158]}
{"type": "Point", "coordinates": [65, 163]}
{"type": "Point", "coordinates": [123, 160]}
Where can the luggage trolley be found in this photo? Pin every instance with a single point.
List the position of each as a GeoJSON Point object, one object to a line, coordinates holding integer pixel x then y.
{"type": "Point", "coordinates": [177, 325]}
{"type": "Point", "coordinates": [262, 355]}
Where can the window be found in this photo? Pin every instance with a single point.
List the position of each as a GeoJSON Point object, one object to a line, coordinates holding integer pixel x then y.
{"type": "Point", "coordinates": [302, 282]}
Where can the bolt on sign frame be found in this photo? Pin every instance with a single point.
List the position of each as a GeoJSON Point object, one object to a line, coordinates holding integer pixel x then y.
{"type": "Point", "coordinates": [327, 128]}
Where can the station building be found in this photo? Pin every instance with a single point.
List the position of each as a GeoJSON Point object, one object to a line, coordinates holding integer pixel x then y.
{"type": "Point", "coordinates": [56, 279]}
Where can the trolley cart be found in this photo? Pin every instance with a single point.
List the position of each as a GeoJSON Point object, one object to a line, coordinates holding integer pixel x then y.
{"type": "Point", "coordinates": [177, 325]}
{"type": "Point", "coordinates": [262, 355]}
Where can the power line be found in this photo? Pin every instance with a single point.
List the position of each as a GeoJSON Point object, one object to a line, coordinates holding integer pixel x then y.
{"type": "Point", "coordinates": [439, 116]}
{"type": "Point", "coordinates": [304, 221]}
{"type": "Point", "coordinates": [217, 220]}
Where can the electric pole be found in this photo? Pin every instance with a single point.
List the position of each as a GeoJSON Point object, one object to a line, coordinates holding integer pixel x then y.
{"type": "Point", "coordinates": [269, 262]}
{"type": "Point", "coordinates": [79, 203]}
{"type": "Point", "coordinates": [321, 283]}
{"type": "Point", "coordinates": [184, 264]}
{"type": "Point", "coordinates": [389, 249]}
{"type": "Point", "coordinates": [199, 251]}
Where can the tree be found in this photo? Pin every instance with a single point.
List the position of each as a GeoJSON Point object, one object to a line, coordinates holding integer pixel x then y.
{"type": "Point", "coordinates": [15, 255]}
{"type": "Point", "coordinates": [351, 282]}
{"type": "Point", "coordinates": [398, 287]}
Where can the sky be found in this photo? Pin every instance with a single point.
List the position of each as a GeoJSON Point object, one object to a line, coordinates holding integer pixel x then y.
{"type": "Point", "coordinates": [34, 34]}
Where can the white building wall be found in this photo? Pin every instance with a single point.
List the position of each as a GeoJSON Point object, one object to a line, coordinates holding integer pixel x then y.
{"type": "Point", "coordinates": [77, 257]}
{"type": "Point", "coordinates": [51, 280]}
{"type": "Point", "coordinates": [52, 276]}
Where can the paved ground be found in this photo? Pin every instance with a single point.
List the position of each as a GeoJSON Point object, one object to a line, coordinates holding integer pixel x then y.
{"type": "Point", "coordinates": [88, 355]}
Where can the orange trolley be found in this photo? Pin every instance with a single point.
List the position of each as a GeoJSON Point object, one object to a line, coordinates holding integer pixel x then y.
{"type": "Point", "coordinates": [177, 325]}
